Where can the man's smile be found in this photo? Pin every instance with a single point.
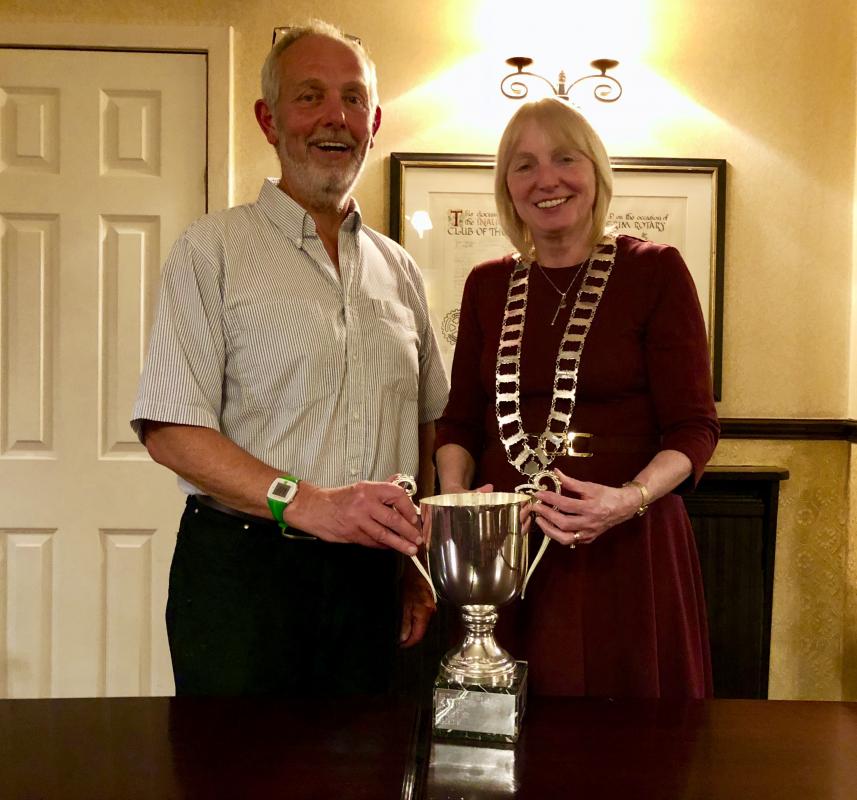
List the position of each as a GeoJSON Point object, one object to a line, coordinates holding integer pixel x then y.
{"type": "Point", "coordinates": [332, 147]}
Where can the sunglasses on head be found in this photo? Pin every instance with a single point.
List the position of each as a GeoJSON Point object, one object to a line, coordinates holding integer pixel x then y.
{"type": "Point", "coordinates": [280, 32]}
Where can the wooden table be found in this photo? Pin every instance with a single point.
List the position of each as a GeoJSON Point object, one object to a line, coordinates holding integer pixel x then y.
{"type": "Point", "coordinates": [636, 750]}
{"type": "Point", "coordinates": [163, 748]}
{"type": "Point", "coordinates": [216, 748]}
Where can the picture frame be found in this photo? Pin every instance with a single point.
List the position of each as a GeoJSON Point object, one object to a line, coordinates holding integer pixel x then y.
{"type": "Point", "coordinates": [677, 201]}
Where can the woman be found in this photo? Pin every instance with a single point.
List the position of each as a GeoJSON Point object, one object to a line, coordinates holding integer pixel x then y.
{"type": "Point", "coordinates": [587, 354]}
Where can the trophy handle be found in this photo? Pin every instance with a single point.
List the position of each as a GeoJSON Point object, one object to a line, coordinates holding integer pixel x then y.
{"type": "Point", "coordinates": [530, 488]}
{"type": "Point", "coordinates": [410, 487]}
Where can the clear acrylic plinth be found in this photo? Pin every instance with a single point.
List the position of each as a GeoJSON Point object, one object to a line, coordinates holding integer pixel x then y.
{"type": "Point", "coordinates": [482, 713]}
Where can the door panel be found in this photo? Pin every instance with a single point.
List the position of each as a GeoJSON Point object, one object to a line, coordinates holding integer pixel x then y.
{"type": "Point", "coordinates": [102, 164]}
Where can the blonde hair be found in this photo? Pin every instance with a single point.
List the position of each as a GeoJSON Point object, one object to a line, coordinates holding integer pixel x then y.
{"type": "Point", "coordinates": [567, 128]}
{"type": "Point", "coordinates": [314, 27]}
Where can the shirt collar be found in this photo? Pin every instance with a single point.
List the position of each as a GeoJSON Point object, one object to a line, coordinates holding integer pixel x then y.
{"type": "Point", "coordinates": [293, 219]}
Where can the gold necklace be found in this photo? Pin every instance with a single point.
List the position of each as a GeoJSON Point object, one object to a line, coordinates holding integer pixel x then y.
{"type": "Point", "coordinates": [526, 459]}
{"type": "Point", "coordinates": [562, 295]}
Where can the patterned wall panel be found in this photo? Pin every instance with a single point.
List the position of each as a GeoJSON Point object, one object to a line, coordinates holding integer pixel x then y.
{"type": "Point", "coordinates": [28, 273]}
{"type": "Point", "coordinates": [26, 568]}
{"type": "Point", "coordinates": [849, 639]}
{"type": "Point", "coordinates": [810, 577]}
{"type": "Point", "coordinates": [129, 274]}
{"type": "Point", "coordinates": [127, 612]}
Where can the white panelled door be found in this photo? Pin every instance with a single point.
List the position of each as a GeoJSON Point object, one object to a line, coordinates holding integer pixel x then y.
{"type": "Point", "coordinates": [102, 164]}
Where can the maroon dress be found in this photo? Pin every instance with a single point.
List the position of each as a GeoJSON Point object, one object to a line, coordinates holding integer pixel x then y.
{"type": "Point", "coordinates": [625, 615]}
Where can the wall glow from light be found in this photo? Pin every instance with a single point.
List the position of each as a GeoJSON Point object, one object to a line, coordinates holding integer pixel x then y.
{"type": "Point", "coordinates": [463, 108]}
{"type": "Point", "coordinates": [559, 34]}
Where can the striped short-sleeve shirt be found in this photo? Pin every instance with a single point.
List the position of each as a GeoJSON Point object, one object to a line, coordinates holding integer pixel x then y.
{"type": "Point", "coordinates": [326, 375]}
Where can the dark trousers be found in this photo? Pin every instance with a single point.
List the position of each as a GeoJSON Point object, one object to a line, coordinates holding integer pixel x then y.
{"type": "Point", "coordinates": [252, 612]}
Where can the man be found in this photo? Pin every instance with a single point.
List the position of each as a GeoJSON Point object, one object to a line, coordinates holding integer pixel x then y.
{"type": "Point", "coordinates": [292, 370]}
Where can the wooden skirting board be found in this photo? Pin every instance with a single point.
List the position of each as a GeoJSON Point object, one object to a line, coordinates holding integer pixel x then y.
{"type": "Point", "coordinates": [827, 429]}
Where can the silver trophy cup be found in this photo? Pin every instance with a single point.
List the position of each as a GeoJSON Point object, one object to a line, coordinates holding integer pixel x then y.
{"type": "Point", "coordinates": [476, 547]}
{"type": "Point", "coordinates": [477, 558]}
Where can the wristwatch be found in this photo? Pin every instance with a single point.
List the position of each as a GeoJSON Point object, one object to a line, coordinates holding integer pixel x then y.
{"type": "Point", "coordinates": [280, 493]}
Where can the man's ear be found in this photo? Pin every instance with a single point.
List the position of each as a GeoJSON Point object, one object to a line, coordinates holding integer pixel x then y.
{"type": "Point", "coordinates": [266, 122]}
{"type": "Point", "coordinates": [376, 123]}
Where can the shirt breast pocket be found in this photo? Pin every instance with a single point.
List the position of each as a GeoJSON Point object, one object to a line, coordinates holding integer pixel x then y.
{"type": "Point", "coordinates": [395, 346]}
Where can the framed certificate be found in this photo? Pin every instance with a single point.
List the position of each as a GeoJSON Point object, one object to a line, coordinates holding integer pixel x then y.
{"type": "Point", "coordinates": [442, 211]}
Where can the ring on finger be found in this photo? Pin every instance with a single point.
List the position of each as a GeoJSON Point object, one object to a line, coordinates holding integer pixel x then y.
{"type": "Point", "coordinates": [575, 539]}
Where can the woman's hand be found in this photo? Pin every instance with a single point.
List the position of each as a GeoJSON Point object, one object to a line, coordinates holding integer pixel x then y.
{"type": "Point", "coordinates": [458, 489]}
{"type": "Point", "coordinates": [593, 509]}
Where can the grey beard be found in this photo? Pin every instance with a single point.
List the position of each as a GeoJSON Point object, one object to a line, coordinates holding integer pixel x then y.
{"type": "Point", "coordinates": [322, 189]}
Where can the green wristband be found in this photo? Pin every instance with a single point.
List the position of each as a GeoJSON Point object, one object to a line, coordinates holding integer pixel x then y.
{"type": "Point", "coordinates": [280, 493]}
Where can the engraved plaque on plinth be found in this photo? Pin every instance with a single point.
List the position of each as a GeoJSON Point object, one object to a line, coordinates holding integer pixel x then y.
{"type": "Point", "coordinates": [478, 712]}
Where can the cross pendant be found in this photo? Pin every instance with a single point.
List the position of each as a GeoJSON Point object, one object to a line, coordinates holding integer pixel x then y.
{"type": "Point", "coordinates": [556, 313]}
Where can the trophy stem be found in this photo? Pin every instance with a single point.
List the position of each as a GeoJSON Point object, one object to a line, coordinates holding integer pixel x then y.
{"type": "Point", "coordinates": [478, 659]}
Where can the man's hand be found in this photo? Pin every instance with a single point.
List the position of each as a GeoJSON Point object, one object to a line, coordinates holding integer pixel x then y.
{"type": "Point", "coordinates": [417, 606]}
{"type": "Point", "coordinates": [373, 514]}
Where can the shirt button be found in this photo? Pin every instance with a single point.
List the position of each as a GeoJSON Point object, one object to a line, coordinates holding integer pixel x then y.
{"type": "Point", "coordinates": [355, 415]}
{"type": "Point", "coordinates": [355, 357]}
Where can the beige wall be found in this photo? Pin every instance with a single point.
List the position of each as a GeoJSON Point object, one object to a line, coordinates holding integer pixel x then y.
{"type": "Point", "coordinates": [769, 86]}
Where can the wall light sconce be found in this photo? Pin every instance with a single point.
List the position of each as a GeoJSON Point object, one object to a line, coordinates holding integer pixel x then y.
{"type": "Point", "coordinates": [606, 90]}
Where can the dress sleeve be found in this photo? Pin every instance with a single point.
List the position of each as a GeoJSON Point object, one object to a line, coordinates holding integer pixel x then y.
{"type": "Point", "coordinates": [678, 366]}
{"type": "Point", "coordinates": [182, 380]}
{"type": "Point", "coordinates": [462, 419]}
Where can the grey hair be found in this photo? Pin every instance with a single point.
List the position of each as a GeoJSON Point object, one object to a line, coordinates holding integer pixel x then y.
{"type": "Point", "coordinates": [313, 27]}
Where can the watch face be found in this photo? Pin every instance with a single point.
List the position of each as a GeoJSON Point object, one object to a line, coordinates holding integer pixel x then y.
{"type": "Point", "coordinates": [282, 489]}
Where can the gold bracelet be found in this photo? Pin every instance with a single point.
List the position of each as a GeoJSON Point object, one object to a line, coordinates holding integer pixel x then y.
{"type": "Point", "coordinates": [644, 497]}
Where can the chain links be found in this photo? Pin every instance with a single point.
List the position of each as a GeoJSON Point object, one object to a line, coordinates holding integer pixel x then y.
{"type": "Point", "coordinates": [526, 459]}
